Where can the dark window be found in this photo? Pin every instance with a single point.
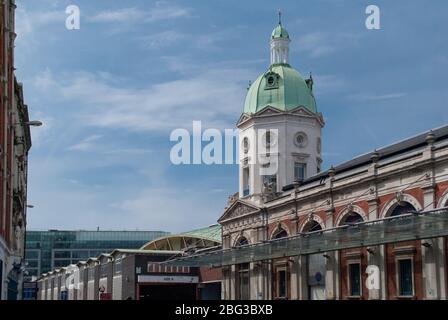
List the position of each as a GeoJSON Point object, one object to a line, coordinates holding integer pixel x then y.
{"type": "Point", "coordinates": [405, 277]}
{"type": "Point", "coordinates": [242, 242]}
{"type": "Point", "coordinates": [402, 208]}
{"type": "Point", "coordinates": [244, 285]}
{"type": "Point", "coordinates": [312, 226]}
{"type": "Point", "coordinates": [351, 218]}
{"type": "Point", "coordinates": [281, 233]}
{"type": "Point", "coordinates": [354, 275]}
{"type": "Point", "coordinates": [62, 254]}
{"type": "Point", "coordinates": [299, 171]}
{"type": "Point", "coordinates": [281, 284]}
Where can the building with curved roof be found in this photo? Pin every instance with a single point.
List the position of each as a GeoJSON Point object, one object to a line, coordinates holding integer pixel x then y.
{"type": "Point", "coordinates": [195, 239]}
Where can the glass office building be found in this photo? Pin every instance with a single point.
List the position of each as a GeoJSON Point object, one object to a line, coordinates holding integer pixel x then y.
{"type": "Point", "coordinates": [46, 250]}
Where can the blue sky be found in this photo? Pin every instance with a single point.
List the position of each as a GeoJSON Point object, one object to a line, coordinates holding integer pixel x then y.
{"type": "Point", "coordinates": [111, 93]}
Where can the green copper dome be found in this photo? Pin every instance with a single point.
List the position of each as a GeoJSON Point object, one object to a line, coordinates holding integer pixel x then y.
{"type": "Point", "coordinates": [280, 87]}
{"type": "Point", "coordinates": [279, 32]}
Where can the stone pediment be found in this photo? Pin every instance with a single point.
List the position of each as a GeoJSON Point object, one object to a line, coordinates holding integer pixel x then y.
{"type": "Point", "coordinates": [267, 111]}
{"type": "Point", "coordinates": [243, 118]}
{"type": "Point", "coordinates": [238, 209]}
{"type": "Point", "coordinates": [301, 110]}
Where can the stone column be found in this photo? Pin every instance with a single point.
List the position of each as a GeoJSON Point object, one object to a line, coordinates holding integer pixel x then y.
{"type": "Point", "coordinates": [232, 282]}
{"type": "Point", "coordinates": [294, 277]}
{"type": "Point", "coordinates": [332, 265]}
{"type": "Point", "coordinates": [375, 257]}
{"type": "Point", "coordinates": [302, 281]}
{"type": "Point", "coordinates": [432, 256]}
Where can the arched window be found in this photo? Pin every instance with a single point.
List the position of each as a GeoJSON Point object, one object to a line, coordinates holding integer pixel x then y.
{"type": "Point", "coordinates": [312, 226]}
{"type": "Point", "coordinates": [351, 218]}
{"type": "Point", "coordinates": [280, 233]}
{"type": "Point", "coordinates": [242, 241]}
{"type": "Point", "coordinates": [402, 208]}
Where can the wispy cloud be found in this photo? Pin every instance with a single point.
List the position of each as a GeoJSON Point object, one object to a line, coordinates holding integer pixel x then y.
{"type": "Point", "coordinates": [28, 22]}
{"type": "Point", "coordinates": [161, 11]}
{"type": "Point", "coordinates": [119, 15]}
{"type": "Point", "coordinates": [377, 97]}
{"type": "Point", "coordinates": [163, 39]}
{"type": "Point", "coordinates": [212, 96]}
{"type": "Point", "coordinates": [317, 44]}
{"type": "Point", "coordinates": [86, 144]}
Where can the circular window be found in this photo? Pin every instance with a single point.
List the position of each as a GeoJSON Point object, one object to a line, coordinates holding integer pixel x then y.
{"type": "Point", "coordinates": [245, 144]}
{"type": "Point", "coordinates": [271, 80]}
{"type": "Point", "coordinates": [301, 140]}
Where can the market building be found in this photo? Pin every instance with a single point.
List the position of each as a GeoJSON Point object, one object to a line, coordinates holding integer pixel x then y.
{"type": "Point", "coordinates": [137, 274]}
{"type": "Point", "coordinates": [373, 227]}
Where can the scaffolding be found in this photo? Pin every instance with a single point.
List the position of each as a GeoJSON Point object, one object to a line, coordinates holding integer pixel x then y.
{"type": "Point", "coordinates": [410, 226]}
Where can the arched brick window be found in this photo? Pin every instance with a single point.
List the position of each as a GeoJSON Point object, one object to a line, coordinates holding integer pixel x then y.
{"type": "Point", "coordinates": [311, 226]}
{"type": "Point", "coordinates": [402, 208]}
{"type": "Point", "coordinates": [280, 233]}
{"type": "Point", "coordinates": [242, 241]}
{"type": "Point", "coordinates": [351, 218]}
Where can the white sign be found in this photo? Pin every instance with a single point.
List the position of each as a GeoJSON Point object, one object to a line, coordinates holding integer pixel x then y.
{"type": "Point", "coordinates": [168, 279]}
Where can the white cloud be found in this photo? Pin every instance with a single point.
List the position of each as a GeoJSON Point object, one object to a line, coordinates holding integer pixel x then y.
{"type": "Point", "coordinates": [213, 96]}
{"type": "Point", "coordinates": [328, 84]}
{"type": "Point", "coordinates": [161, 11]}
{"type": "Point", "coordinates": [377, 97]}
{"type": "Point", "coordinates": [163, 39]}
{"type": "Point", "coordinates": [317, 44]}
{"type": "Point", "coordinates": [155, 208]}
{"type": "Point", "coordinates": [120, 15]}
{"type": "Point", "coordinates": [86, 144]}
{"type": "Point", "coordinates": [28, 22]}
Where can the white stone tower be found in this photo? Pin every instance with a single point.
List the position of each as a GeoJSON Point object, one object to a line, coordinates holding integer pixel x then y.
{"type": "Point", "coordinates": [279, 121]}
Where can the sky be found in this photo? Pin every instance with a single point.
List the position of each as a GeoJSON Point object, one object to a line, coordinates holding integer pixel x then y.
{"type": "Point", "coordinates": [111, 93]}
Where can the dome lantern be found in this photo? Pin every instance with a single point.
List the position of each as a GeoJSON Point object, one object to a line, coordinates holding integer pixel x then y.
{"type": "Point", "coordinates": [279, 43]}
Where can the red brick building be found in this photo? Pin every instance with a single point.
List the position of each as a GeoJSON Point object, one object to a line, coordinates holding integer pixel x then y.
{"type": "Point", "coordinates": [15, 142]}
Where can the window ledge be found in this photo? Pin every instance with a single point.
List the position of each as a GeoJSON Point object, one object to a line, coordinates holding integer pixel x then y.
{"type": "Point", "coordinates": [404, 250]}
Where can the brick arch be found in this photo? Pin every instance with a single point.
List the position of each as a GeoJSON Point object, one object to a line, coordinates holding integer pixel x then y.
{"type": "Point", "coordinates": [443, 201]}
{"type": "Point", "coordinates": [239, 237]}
{"type": "Point", "coordinates": [279, 226]}
{"type": "Point", "coordinates": [311, 218]}
{"type": "Point", "coordinates": [347, 210]}
{"type": "Point", "coordinates": [392, 203]}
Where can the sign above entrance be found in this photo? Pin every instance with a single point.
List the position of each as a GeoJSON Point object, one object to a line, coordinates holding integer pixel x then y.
{"type": "Point", "coordinates": [167, 279]}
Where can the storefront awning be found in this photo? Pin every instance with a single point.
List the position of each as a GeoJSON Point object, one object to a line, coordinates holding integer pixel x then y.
{"type": "Point", "coordinates": [412, 226]}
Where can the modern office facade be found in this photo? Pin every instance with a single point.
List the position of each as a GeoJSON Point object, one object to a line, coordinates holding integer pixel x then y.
{"type": "Point", "coordinates": [47, 250]}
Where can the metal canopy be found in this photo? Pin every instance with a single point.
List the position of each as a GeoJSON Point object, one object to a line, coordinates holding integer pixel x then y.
{"type": "Point", "coordinates": [411, 226]}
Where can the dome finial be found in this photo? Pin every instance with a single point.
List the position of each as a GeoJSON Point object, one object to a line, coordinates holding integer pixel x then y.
{"type": "Point", "coordinates": [279, 17]}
